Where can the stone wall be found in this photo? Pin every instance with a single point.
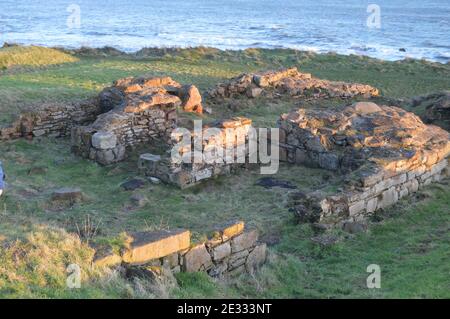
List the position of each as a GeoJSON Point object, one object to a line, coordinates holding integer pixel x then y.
{"type": "Point", "coordinates": [54, 119]}
{"type": "Point", "coordinates": [288, 82]}
{"type": "Point", "coordinates": [385, 153]}
{"type": "Point", "coordinates": [220, 154]}
{"type": "Point", "coordinates": [106, 140]}
{"type": "Point", "coordinates": [137, 111]}
{"type": "Point", "coordinates": [356, 203]}
{"type": "Point", "coordinates": [230, 250]}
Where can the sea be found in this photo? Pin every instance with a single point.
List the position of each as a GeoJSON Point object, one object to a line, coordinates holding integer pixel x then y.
{"type": "Point", "coordinates": [385, 29]}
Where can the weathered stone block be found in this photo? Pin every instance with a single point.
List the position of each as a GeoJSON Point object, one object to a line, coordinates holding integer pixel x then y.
{"type": "Point", "coordinates": [372, 205]}
{"type": "Point", "coordinates": [104, 140]}
{"type": "Point", "coordinates": [388, 198]}
{"type": "Point", "coordinates": [197, 259]}
{"type": "Point", "coordinates": [228, 230]}
{"type": "Point", "coordinates": [366, 107]}
{"type": "Point", "coordinates": [146, 246]}
{"type": "Point", "coordinates": [106, 257]}
{"type": "Point", "coordinates": [356, 208]}
{"type": "Point", "coordinates": [148, 163]}
{"type": "Point", "coordinates": [218, 270]}
{"type": "Point", "coordinates": [171, 261]}
{"type": "Point", "coordinates": [237, 256]}
{"type": "Point", "coordinates": [222, 251]}
{"type": "Point", "coordinates": [244, 241]}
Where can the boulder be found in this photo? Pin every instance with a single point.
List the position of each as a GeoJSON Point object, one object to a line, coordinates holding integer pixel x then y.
{"type": "Point", "coordinates": [192, 99]}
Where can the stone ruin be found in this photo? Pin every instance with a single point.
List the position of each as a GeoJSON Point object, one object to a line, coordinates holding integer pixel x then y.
{"type": "Point", "coordinates": [136, 111]}
{"type": "Point", "coordinates": [288, 82]}
{"type": "Point", "coordinates": [137, 94]}
{"type": "Point", "coordinates": [51, 119]}
{"type": "Point", "coordinates": [221, 153]}
{"type": "Point", "coordinates": [385, 152]}
{"type": "Point", "coordinates": [232, 249]}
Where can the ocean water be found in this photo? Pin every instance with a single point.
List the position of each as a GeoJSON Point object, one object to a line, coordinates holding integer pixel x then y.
{"type": "Point", "coordinates": [421, 28]}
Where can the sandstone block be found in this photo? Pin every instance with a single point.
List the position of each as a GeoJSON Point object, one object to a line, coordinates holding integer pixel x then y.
{"type": "Point", "coordinates": [388, 198]}
{"type": "Point", "coordinates": [105, 257]}
{"type": "Point", "coordinates": [356, 208]}
{"type": "Point", "coordinates": [254, 92]}
{"type": "Point", "coordinates": [366, 107]}
{"type": "Point", "coordinates": [146, 246]}
{"type": "Point", "coordinates": [148, 163]}
{"type": "Point", "coordinates": [244, 241]}
{"type": "Point", "coordinates": [197, 259]}
{"type": "Point", "coordinates": [372, 205]}
{"type": "Point", "coordinates": [222, 251]}
{"type": "Point", "coordinates": [192, 99]}
{"type": "Point", "coordinates": [228, 230]}
{"type": "Point", "coordinates": [171, 261]}
{"type": "Point", "coordinates": [104, 140]}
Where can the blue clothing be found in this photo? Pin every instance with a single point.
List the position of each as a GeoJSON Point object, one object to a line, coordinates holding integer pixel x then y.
{"type": "Point", "coordinates": [2, 177]}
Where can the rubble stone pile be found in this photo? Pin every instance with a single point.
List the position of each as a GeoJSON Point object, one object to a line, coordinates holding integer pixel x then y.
{"type": "Point", "coordinates": [288, 82]}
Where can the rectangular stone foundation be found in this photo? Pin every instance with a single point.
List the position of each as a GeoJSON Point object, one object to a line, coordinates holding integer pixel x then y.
{"type": "Point", "coordinates": [107, 139]}
{"type": "Point", "coordinates": [358, 204]}
{"type": "Point", "coordinates": [185, 175]}
{"type": "Point", "coordinates": [384, 154]}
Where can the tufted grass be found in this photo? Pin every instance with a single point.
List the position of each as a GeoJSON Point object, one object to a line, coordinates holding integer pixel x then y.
{"type": "Point", "coordinates": [32, 56]}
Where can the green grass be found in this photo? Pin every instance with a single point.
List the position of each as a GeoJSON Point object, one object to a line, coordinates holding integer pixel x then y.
{"type": "Point", "coordinates": [32, 56]}
{"type": "Point", "coordinates": [410, 244]}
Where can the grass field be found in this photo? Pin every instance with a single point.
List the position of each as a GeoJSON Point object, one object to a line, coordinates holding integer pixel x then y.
{"type": "Point", "coordinates": [410, 241]}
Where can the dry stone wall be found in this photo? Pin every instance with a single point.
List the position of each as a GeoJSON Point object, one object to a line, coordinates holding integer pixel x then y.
{"type": "Point", "coordinates": [385, 153]}
{"type": "Point", "coordinates": [107, 139]}
{"type": "Point", "coordinates": [137, 111]}
{"type": "Point", "coordinates": [221, 153]}
{"type": "Point", "coordinates": [231, 249]}
{"type": "Point", "coordinates": [53, 119]}
{"type": "Point", "coordinates": [288, 82]}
